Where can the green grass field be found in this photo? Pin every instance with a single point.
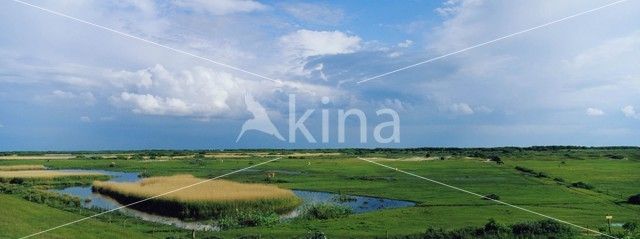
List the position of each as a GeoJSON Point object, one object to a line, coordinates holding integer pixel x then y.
{"type": "Point", "coordinates": [613, 179]}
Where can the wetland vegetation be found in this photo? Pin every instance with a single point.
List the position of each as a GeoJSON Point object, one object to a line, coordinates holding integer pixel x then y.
{"type": "Point", "coordinates": [576, 184]}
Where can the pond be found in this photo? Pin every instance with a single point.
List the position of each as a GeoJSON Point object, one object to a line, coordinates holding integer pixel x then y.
{"type": "Point", "coordinates": [89, 199]}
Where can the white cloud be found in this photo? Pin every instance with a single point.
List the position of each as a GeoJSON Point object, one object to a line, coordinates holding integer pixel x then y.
{"type": "Point", "coordinates": [221, 7]}
{"type": "Point", "coordinates": [395, 104]}
{"type": "Point", "coordinates": [630, 111]}
{"type": "Point", "coordinates": [394, 54]}
{"type": "Point", "coordinates": [305, 43]}
{"type": "Point", "coordinates": [86, 98]}
{"type": "Point", "coordinates": [198, 92]}
{"type": "Point", "coordinates": [85, 119]}
{"type": "Point", "coordinates": [405, 44]}
{"type": "Point", "coordinates": [625, 47]}
{"type": "Point", "coordinates": [483, 109]}
{"type": "Point", "coordinates": [202, 93]}
{"type": "Point", "coordinates": [107, 118]}
{"type": "Point", "coordinates": [594, 112]}
{"type": "Point", "coordinates": [461, 108]}
{"type": "Point", "coordinates": [315, 13]}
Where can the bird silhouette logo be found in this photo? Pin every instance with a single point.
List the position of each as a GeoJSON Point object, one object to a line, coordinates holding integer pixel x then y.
{"type": "Point", "coordinates": [260, 121]}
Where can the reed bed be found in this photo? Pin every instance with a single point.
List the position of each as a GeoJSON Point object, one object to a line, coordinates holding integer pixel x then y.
{"type": "Point", "coordinates": [43, 174]}
{"type": "Point", "coordinates": [212, 199]}
{"type": "Point", "coordinates": [22, 167]}
{"type": "Point", "coordinates": [49, 177]}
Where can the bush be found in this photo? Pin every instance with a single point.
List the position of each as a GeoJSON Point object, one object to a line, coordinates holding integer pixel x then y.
{"type": "Point", "coordinates": [544, 227]}
{"type": "Point", "coordinates": [525, 170]}
{"type": "Point", "coordinates": [493, 230]}
{"type": "Point", "coordinates": [496, 159]}
{"type": "Point", "coordinates": [248, 219]}
{"type": "Point", "coordinates": [491, 197]}
{"type": "Point", "coordinates": [542, 175]}
{"type": "Point", "coordinates": [324, 211]}
{"type": "Point", "coordinates": [582, 185]}
{"type": "Point", "coordinates": [635, 199]}
{"type": "Point", "coordinates": [630, 226]}
{"type": "Point", "coordinates": [618, 157]}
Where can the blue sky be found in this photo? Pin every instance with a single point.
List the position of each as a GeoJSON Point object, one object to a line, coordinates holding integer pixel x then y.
{"type": "Point", "coordinates": [65, 85]}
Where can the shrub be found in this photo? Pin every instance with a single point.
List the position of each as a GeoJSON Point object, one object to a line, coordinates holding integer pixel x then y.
{"type": "Point", "coordinates": [560, 180]}
{"type": "Point", "coordinates": [248, 219]}
{"type": "Point", "coordinates": [491, 197]}
{"type": "Point", "coordinates": [324, 211]}
{"type": "Point", "coordinates": [635, 199]}
{"type": "Point", "coordinates": [630, 226]}
{"type": "Point", "coordinates": [16, 181]}
{"type": "Point", "coordinates": [525, 170]}
{"type": "Point", "coordinates": [542, 175]}
{"type": "Point", "coordinates": [582, 185]}
{"type": "Point", "coordinates": [618, 157]}
{"type": "Point", "coordinates": [544, 227]}
{"type": "Point", "coordinates": [494, 230]}
{"type": "Point", "coordinates": [496, 159]}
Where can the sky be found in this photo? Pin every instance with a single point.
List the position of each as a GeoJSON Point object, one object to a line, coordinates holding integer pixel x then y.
{"type": "Point", "coordinates": [68, 85]}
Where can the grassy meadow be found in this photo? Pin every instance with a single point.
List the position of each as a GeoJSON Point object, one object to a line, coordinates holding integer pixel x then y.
{"type": "Point", "coordinates": [547, 187]}
{"type": "Point", "coordinates": [210, 199]}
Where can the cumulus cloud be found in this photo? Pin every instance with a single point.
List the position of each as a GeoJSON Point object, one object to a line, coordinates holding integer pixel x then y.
{"type": "Point", "coordinates": [630, 111]}
{"type": "Point", "coordinates": [307, 43]}
{"type": "Point", "coordinates": [204, 93]}
{"type": "Point", "coordinates": [594, 112]}
{"type": "Point", "coordinates": [221, 7]}
{"type": "Point", "coordinates": [199, 92]}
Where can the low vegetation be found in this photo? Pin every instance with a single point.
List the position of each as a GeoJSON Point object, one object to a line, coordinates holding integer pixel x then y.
{"type": "Point", "coordinates": [448, 211]}
{"type": "Point", "coordinates": [532, 172]}
{"type": "Point", "coordinates": [248, 219]}
{"type": "Point", "coordinates": [39, 196]}
{"type": "Point", "coordinates": [582, 185]}
{"type": "Point", "coordinates": [493, 229]}
{"type": "Point", "coordinates": [22, 167]}
{"type": "Point", "coordinates": [324, 211]}
{"type": "Point", "coordinates": [211, 199]}
{"type": "Point", "coordinates": [43, 174]}
{"type": "Point", "coordinates": [49, 177]}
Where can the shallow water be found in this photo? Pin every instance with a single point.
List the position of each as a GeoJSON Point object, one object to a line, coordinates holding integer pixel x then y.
{"type": "Point", "coordinates": [89, 199]}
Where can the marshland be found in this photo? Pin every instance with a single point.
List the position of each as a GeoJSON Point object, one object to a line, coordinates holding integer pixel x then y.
{"type": "Point", "coordinates": [200, 199]}
{"type": "Point", "coordinates": [308, 193]}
